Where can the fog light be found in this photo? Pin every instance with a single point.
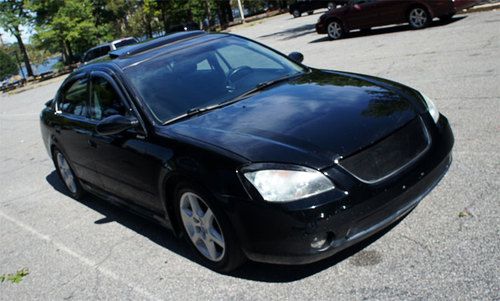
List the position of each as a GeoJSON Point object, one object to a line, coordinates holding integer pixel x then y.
{"type": "Point", "coordinates": [319, 241]}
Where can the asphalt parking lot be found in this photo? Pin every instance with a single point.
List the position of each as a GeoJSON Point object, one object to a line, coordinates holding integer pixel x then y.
{"type": "Point", "coordinates": [447, 248]}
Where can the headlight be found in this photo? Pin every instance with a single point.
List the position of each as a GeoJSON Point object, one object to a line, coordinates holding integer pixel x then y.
{"type": "Point", "coordinates": [431, 107]}
{"type": "Point", "coordinates": [283, 185]}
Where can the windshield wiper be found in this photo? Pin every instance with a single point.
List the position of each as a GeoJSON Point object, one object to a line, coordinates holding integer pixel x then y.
{"type": "Point", "coordinates": [192, 112]}
{"type": "Point", "coordinates": [261, 86]}
{"type": "Point", "coordinates": [258, 87]}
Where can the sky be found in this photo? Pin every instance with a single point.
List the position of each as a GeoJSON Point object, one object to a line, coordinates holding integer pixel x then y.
{"type": "Point", "coordinates": [8, 38]}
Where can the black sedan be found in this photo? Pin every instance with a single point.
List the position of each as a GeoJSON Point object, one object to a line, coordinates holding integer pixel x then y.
{"type": "Point", "coordinates": [244, 151]}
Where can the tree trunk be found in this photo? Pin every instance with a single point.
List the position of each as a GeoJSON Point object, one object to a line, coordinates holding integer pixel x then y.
{"type": "Point", "coordinates": [208, 13]}
{"type": "Point", "coordinates": [24, 53]}
{"type": "Point", "coordinates": [164, 16]}
{"type": "Point", "coordinates": [224, 12]}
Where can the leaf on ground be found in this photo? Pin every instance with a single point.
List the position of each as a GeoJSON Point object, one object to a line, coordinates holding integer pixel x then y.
{"type": "Point", "coordinates": [465, 213]}
{"type": "Point", "coordinates": [15, 278]}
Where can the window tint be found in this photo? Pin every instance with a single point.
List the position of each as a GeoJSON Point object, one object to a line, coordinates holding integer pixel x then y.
{"type": "Point", "coordinates": [105, 101]}
{"type": "Point", "coordinates": [238, 56]}
{"type": "Point", "coordinates": [73, 99]}
{"type": "Point", "coordinates": [205, 75]}
{"type": "Point", "coordinates": [203, 65]}
{"type": "Point", "coordinates": [125, 43]}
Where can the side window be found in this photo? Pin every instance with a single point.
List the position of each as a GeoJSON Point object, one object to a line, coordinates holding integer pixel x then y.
{"type": "Point", "coordinates": [104, 100]}
{"type": "Point", "coordinates": [237, 56]}
{"type": "Point", "coordinates": [203, 66]}
{"type": "Point", "coordinates": [73, 99]}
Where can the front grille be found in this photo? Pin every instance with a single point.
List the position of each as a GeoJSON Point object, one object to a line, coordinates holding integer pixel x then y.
{"type": "Point", "coordinates": [390, 155]}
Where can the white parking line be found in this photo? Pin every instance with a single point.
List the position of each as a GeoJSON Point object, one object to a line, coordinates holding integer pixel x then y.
{"type": "Point", "coordinates": [89, 262]}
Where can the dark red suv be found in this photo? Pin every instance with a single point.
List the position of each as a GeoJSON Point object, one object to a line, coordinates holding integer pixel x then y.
{"type": "Point", "coordinates": [364, 14]}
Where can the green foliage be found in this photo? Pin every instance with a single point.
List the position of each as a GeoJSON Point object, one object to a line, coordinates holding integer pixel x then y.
{"type": "Point", "coordinates": [13, 15]}
{"type": "Point", "coordinates": [70, 26]}
{"type": "Point", "coordinates": [8, 66]}
{"type": "Point", "coordinates": [15, 278]}
{"type": "Point", "coordinates": [73, 26]}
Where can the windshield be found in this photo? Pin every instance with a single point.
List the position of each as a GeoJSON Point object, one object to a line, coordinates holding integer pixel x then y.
{"type": "Point", "coordinates": [205, 75]}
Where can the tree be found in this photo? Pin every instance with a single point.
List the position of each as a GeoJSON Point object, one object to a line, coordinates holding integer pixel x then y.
{"type": "Point", "coordinates": [13, 15]}
{"type": "Point", "coordinates": [7, 65]}
{"type": "Point", "coordinates": [68, 25]}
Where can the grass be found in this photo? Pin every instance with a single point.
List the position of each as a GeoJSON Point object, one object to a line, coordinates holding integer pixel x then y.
{"type": "Point", "coordinates": [15, 278]}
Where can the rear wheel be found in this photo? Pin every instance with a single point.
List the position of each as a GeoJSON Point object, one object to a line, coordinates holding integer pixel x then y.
{"type": "Point", "coordinates": [335, 30]}
{"type": "Point", "coordinates": [207, 230]}
{"type": "Point", "coordinates": [296, 13]}
{"type": "Point", "coordinates": [418, 18]}
{"type": "Point", "coordinates": [67, 175]}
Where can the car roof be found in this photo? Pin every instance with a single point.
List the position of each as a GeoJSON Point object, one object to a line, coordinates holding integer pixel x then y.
{"type": "Point", "coordinates": [129, 55]}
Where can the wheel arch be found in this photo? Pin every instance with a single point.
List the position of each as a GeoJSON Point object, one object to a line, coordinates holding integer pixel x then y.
{"type": "Point", "coordinates": [420, 4]}
{"type": "Point", "coordinates": [335, 18]}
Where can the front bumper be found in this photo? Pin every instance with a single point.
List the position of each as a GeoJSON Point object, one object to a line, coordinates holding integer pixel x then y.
{"type": "Point", "coordinates": [320, 28]}
{"type": "Point", "coordinates": [283, 233]}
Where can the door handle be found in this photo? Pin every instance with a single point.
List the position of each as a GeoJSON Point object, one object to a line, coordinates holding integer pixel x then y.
{"type": "Point", "coordinates": [92, 143]}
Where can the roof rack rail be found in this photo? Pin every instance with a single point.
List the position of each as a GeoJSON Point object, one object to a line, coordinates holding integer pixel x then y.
{"type": "Point", "coordinates": [169, 39]}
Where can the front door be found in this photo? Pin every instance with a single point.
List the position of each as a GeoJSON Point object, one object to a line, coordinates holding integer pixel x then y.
{"type": "Point", "coordinates": [122, 160]}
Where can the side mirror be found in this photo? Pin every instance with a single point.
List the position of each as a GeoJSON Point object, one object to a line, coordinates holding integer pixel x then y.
{"type": "Point", "coordinates": [116, 124]}
{"type": "Point", "coordinates": [296, 57]}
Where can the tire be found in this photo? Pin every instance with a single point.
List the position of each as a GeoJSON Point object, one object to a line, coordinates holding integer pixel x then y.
{"type": "Point", "coordinates": [419, 18]}
{"type": "Point", "coordinates": [335, 30]}
{"type": "Point", "coordinates": [296, 13]}
{"type": "Point", "coordinates": [206, 229]}
{"type": "Point", "coordinates": [310, 12]}
{"type": "Point", "coordinates": [67, 175]}
{"type": "Point", "coordinates": [331, 5]}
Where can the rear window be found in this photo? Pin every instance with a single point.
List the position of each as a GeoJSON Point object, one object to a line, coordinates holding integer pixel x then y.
{"type": "Point", "coordinates": [96, 52]}
{"type": "Point", "coordinates": [125, 43]}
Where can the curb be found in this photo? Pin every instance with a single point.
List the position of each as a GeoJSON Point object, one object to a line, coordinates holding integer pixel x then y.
{"type": "Point", "coordinates": [481, 8]}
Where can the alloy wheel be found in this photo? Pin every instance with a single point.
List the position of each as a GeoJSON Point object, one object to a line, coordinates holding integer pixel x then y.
{"type": "Point", "coordinates": [66, 173]}
{"type": "Point", "coordinates": [418, 17]}
{"type": "Point", "coordinates": [334, 30]}
{"type": "Point", "coordinates": [202, 226]}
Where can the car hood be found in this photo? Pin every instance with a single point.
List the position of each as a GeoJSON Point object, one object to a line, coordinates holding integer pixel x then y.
{"type": "Point", "coordinates": [310, 120]}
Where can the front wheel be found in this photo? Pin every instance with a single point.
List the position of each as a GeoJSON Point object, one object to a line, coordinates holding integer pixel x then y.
{"type": "Point", "coordinates": [207, 230]}
{"type": "Point", "coordinates": [335, 30]}
{"type": "Point", "coordinates": [418, 18]}
{"type": "Point", "coordinates": [331, 5]}
{"type": "Point", "coordinates": [296, 13]}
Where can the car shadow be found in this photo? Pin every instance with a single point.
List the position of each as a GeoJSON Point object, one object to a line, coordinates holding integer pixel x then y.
{"type": "Point", "coordinates": [389, 29]}
{"type": "Point", "coordinates": [291, 33]}
{"type": "Point", "coordinates": [254, 271]}
{"type": "Point", "coordinates": [136, 223]}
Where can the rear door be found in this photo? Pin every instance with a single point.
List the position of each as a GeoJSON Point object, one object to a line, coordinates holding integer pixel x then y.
{"type": "Point", "coordinates": [392, 12]}
{"type": "Point", "coordinates": [363, 14]}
